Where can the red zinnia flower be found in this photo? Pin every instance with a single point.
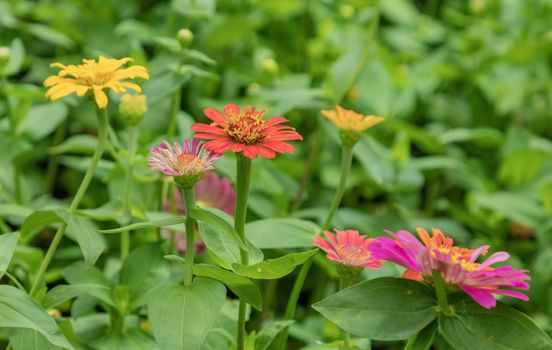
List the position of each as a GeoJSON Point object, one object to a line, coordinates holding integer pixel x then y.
{"type": "Point", "coordinates": [245, 131]}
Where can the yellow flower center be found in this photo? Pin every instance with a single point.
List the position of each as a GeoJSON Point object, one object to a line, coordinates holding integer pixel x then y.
{"type": "Point", "coordinates": [352, 255]}
{"type": "Point", "coordinates": [246, 127]}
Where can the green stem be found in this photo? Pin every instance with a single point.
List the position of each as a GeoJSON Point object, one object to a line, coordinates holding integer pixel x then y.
{"type": "Point", "coordinates": [347, 157]}
{"type": "Point", "coordinates": [127, 207]}
{"type": "Point", "coordinates": [346, 161]}
{"type": "Point", "coordinates": [411, 341]}
{"type": "Point", "coordinates": [177, 99]}
{"type": "Point", "coordinates": [189, 202]}
{"type": "Point", "coordinates": [102, 140]}
{"type": "Point", "coordinates": [441, 292]}
{"type": "Point", "coordinates": [14, 280]}
{"type": "Point", "coordinates": [344, 283]}
{"type": "Point", "coordinates": [243, 180]}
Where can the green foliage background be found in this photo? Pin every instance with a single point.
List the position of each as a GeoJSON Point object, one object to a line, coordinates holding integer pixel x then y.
{"type": "Point", "coordinates": [465, 87]}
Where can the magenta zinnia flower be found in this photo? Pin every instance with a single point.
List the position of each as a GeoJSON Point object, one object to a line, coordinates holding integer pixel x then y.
{"type": "Point", "coordinates": [348, 248]}
{"type": "Point", "coordinates": [186, 162]}
{"type": "Point", "coordinates": [457, 266]}
{"type": "Point", "coordinates": [211, 191]}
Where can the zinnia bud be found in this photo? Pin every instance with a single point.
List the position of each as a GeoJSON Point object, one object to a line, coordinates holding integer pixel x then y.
{"type": "Point", "coordinates": [132, 108]}
{"type": "Point", "coordinates": [185, 37]}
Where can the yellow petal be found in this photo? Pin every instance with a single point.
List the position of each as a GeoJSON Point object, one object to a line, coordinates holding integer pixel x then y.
{"type": "Point", "coordinates": [100, 97]}
{"type": "Point", "coordinates": [131, 72]}
{"type": "Point", "coordinates": [132, 86]}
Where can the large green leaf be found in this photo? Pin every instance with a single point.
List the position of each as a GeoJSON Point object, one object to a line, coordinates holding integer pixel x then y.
{"type": "Point", "coordinates": [274, 268]}
{"type": "Point", "coordinates": [219, 222]}
{"type": "Point", "coordinates": [18, 310]}
{"type": "Point", "coordinates": [90, 242]}
{"type": "Point", "coordinates": [147, 224]}
{"type": "Point", "coordinates": [8, 242]}
{"type": "Point", "coordinates": [182, 316]}
{"type": "Point", "coordinates": [499, 328]}
{"type": "Point", "coordinates": [381, 309]}
{"type": "Point", "coordinates": [143, 270]}
{"type": "Point", "coordinates": [62, 293]}
{"type": "Point", "coordinates": [241, 286]}
{"type": "Point", "coordinates": [269, 332]}
{"type": "Point", "coordinates": [281, 233]}
{"type": "Point", "coordinates": [29, 339]}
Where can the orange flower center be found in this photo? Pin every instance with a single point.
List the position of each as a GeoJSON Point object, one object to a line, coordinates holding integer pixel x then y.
{"type": "Point", "coordinates": [188, 161]}
{"type": "Point", "coordinates": [246, 127]}
{"type": "Point", "coordinates": [97, 78]}
{"type": "Point", "coordinates": [352, 255]}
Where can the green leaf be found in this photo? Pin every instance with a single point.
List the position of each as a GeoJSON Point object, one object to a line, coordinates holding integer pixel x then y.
{"type": "Point", "coordinates": [224, 251]}
{"type": "Point", "coordinates": [18, 310]}
{"type": "Point", "coordinates": [500, 328]}
{"type": "Point", "coordinates": [36, 222]}
{"type": "Point", "coordinates": [269, 332]}
{"type": "Point", "coordinates": [381, 309]}
{"type": "Point", "coordinates": [78, 273]}
{"type": "Point", "coordinates": [241, 286]}
{"type": "Point", "coordinates": [522, 166]}
{"type": "Point", "coordinates": [147, 224]}
{"type": "Point", "coordinates": [141, 271]}
{"type": "Point", "coordinates": [8, 242]}
{"type": "Point", "coordinates": [48, 34]}
{"type": "Point", "coordinates": [546, 197]}
{"type": "Point", "coordinates": [424, 338]}
{"type": "Point", "coordinates": [61, 293]}
{"type": "Point", "coordinates": [274, 268]}
{"type": "Point", "coordinates": [79, 144]}
{"type": "Point", "coordinates": [133, 338]}
{"type": "Point", "coordinates": [281, 233]}
{"type": "Point", "coordinates": [219, 222]}
{"type": "Point", "coordinates": [182, 316]}
{"type": "Point", "coordinates": [29, 339]}
{"type": "Point", "coordinates": [36, 127]}
{"type": "Point", "coordinates": [164, 85]}
{"type": "Point", "coordinates": [17, 55]}
{"type": "Point", "coordinates": [90, 242]}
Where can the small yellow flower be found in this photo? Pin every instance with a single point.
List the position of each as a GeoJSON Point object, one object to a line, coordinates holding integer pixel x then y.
{"type": "Point", "coordinates": [348, 120]}
{"type": "Point", "coordinates": [92, 76]}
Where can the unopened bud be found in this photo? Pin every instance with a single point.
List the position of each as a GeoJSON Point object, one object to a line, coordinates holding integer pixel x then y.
{"type": "Point", "coordinates": [346, 11]}
{"type": "Point", "coordinates": [185, 37]}
{"type": "Point", "coordinates": [4, 54]}
{"type": "Point", "coordinates": [132, 108]}
{"type": "Point", "coordinates": [269, 65]}
{"type": "Point", "coordinates": [54, 312]}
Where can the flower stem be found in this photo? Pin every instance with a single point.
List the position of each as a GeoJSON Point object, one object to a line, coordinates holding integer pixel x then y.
{"type": "Point", "coordinates": [189, 202]}
{"type": "Point", "coordinates": [346, 160]}
{"type": "Point", "coordinates": [127, 207]}
{"type": "Point", "coordinates": [243, 180]}
{"type": "Point", "coordinates": [102, 141]}
{"type": "Point", "coordinates": [344, 283]}
{"type": "Point", "coordinates": [177, 99]}
{"type": "Point", "coordinates": [441, 293]}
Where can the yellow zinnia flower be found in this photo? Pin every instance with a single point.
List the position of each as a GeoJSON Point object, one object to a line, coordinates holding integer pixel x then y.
{"type": "Point", "coordinates": [95, 77]}
{"type": "Point", "coordinates": [348, 120]}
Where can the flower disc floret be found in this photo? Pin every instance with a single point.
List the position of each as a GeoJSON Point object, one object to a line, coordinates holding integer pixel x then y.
{"type": "Point", "coordinates": [95, 77]}
{"type": "Point", "coordinates": [186, 162]}
{"type": "Point", "coordinates": [457, 266]}
{"type": "Point", "coordinates": [348, 247]}
{"type": "Point", "coordinates": [245, 131]}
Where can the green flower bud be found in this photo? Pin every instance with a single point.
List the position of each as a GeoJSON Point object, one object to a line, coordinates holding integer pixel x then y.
{"type": "Point", "coordinates": [132, 108]}
{"type": "Point", "coordinates": [270, 66]}
{"type": "Point", "coordinates": [188, 181]}
{"type": "Point", "coordinates": [185, 37]}
{"type": "Point", "coordinates": [4, 54]}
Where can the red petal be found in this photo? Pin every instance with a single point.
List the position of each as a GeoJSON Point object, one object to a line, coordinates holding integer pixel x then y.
{"type": "Point", "coordinates": [214, 115]}
{"type": "Point", "coordinates": [207, 128]}
{"type": "Point", "coordinates": [205, 136]}
{"type": "Point", "coordinates": [279, 146]}
{"type": "Point", "coordinates": [275, 120]}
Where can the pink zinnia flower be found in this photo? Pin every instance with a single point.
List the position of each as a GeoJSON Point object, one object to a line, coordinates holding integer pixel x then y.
{"type": "Point", "coordinates": [187, 159]}
{"type": "Point", "coordinates": [457, 266]}
{"type": "Point", "coordinates": [211, 191]}
{"type": "Point", "coordinates": [245, 131]}
{"type": "Point", "coordinates": [348, 248]}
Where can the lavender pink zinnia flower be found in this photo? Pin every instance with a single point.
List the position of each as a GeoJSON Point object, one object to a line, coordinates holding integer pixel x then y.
{"type": "Point", "coordinates": [457, 266]}
{"type": "Point", "coordinates": [348, 248]}
{"type": "Point", "coordinates": [187, 160]}
{"type": "Point", "coordinates": [211, 191]}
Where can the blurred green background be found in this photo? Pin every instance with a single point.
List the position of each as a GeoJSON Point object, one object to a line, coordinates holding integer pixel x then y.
{"type": "Point", "coordinates": [465, 87]}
